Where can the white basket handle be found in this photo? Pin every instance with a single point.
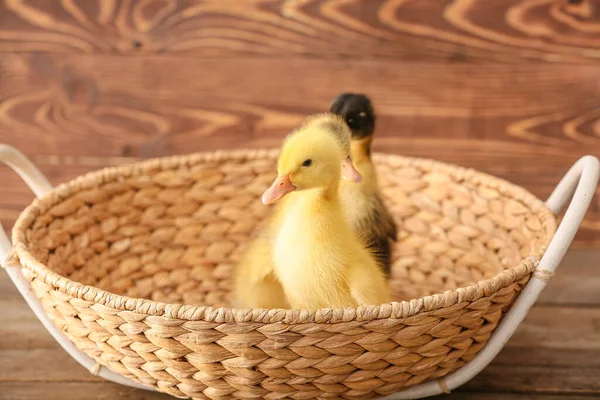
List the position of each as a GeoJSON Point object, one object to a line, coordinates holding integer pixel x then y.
{"type": "Point", "coordinates": [580, 183]}
{"type": "Point", "coordinates": [40, 186]}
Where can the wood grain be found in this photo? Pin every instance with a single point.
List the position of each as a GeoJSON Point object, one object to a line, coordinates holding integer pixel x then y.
{"type": "Point", "coordinates": [542, 379]}
{"type": "Point", "coordinates": [107, 105]}
{"type": "Point", "coordinates": [576, 281]}
{"type": "Point", "coordinates": [450, 31]}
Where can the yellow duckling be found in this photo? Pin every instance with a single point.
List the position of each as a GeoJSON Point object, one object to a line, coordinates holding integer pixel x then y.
{"type": "Point", "coordinates": [363, 204]}
{"type": "Point", "coordinates": [317, 258]}
{"type": "Point", "coordinates": [256, 285]}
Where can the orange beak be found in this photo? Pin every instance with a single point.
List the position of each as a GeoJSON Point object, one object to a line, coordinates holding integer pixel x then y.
{"type": "Point", "coordinates": [350, 173]}
{"type": "Point", "coordinates": [280, 187]}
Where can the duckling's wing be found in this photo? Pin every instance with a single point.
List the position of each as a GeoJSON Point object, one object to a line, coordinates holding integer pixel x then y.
{"type": "Point", "coordinates": [368, 284]}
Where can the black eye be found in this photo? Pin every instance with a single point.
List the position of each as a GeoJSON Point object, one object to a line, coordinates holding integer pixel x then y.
{"type": "Point", "coordinates": [307, 163]}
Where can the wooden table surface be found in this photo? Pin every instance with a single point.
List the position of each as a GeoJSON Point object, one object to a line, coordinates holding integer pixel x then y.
{"type": "Point", "coordinates": [508, 87]}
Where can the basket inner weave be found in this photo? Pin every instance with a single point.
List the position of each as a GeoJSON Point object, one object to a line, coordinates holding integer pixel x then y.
{"type": "Point", "coordinates": [172, 232]}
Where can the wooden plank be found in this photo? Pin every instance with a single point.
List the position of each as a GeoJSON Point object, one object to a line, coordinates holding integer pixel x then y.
{"type": "Point", "coordinates": [560, 328]}
{"type": "Point", "coordinates": [576, 281]}
{"type": "Point", "coordinates": [548, 380]}
{"type": "Point", "coordinates": [26, 390]}
{"type": "Point", "coordinates": [535, 356]}
{"type": "Point", "coordinates": [447, 31]}
{"type": "Point", "coordinates": [147, 106]}
{"type": "Point", "coordinates": [57, 366]}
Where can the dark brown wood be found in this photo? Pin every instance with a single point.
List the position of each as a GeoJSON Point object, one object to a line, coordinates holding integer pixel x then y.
{"type": "Point", "coordinates": [35, 390]}
{"type": "Point", "coordinates": [147, 106]}
{"type": "Point", "coordinates": [544, 380]}
{"type": "Point", "coordinates": [448, 31]}
{"type": "Point", "coordinates": [576, 281]}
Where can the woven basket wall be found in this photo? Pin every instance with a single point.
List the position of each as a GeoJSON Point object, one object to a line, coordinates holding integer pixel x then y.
{"type": "Point", "coordinates": [134, 264]}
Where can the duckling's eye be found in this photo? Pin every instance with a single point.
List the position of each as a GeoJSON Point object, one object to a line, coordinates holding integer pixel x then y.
{"type": "Point", "coordinates": [307, 163]}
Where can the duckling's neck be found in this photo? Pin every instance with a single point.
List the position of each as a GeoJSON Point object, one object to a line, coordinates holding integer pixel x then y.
{"type": "Point", "coordinates": [309, 219]}
{"type": "Point", "coordinates": [314, 200]}
{"type": "Point", "coordinates": [361, 150]}
{"type": "Point", "coordinates": [361, 158]}
{"type": "Point", "coordinates": [311, 248]}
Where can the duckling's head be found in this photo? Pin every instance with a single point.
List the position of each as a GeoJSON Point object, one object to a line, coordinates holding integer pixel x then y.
{"type": "Point", "coordinates": [332, 124]}
{"type": "Point", "coordinates": [356, 109]}
{"type": "Point", "coordinates": [312, 157]}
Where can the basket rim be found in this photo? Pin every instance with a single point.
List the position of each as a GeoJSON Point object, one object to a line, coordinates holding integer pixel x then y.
{"type": "Point", "coordinates": [459, 297]}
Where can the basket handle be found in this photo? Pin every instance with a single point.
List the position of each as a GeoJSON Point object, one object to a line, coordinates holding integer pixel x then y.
{"type": "Point", "coordinates": [579, 183]}
{"type": "Point", "coordinates": [40, 186]}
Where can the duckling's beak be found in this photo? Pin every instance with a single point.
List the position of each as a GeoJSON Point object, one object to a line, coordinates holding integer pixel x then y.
{"type": "Point", "coordinates": [280, 187]}
{"type": "Point", "coordinates": [350, 173]}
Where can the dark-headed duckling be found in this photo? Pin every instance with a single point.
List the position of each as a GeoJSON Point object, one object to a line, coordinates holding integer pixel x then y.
{"type": "Point", "coordinates": [363, 203]}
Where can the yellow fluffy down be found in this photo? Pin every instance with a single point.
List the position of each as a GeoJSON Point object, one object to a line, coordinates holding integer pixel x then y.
{"type": "Point", "coordinates": [309, 257]}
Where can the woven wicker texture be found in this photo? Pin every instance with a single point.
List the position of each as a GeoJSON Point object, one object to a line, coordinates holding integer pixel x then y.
{"type": "Point", "coordinates": [133, 264]}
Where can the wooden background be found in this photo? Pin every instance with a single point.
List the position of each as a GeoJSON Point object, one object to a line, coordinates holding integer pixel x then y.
{"type": "Point", "coordinates": [508, 87]}
{"type": "Point", "coordinates": [505, 86]}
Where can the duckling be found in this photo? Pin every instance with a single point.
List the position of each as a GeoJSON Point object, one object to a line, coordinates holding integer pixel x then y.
{"type": "Point", "coordinates": [318, 259]}
{"type": "Point", "coordinates": [256, 285]}
{"type": "Point", "coordinates": [363, 203]}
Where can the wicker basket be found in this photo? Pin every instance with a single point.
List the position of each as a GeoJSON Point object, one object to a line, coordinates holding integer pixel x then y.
{"type": "Point", "coordinates": [134, 264]}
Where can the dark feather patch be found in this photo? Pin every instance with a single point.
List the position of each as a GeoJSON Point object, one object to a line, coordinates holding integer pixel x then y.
{"type": "Point", "coordinates": [378, 232]}
{"type": "Point", "coordinates": [357, 111]}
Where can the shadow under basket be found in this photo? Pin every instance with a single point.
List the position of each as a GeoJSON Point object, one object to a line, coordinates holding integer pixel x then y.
{"type": "Point", "coordinates": [134, 264]}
